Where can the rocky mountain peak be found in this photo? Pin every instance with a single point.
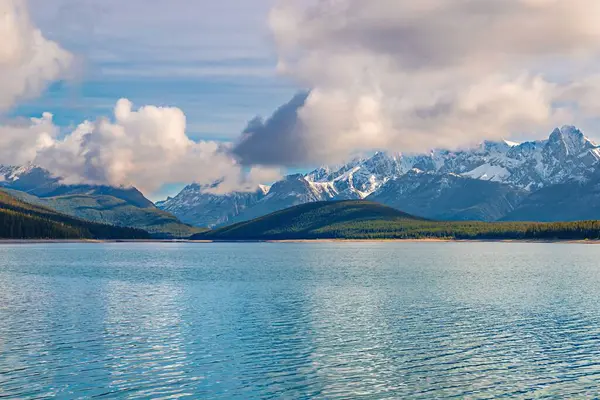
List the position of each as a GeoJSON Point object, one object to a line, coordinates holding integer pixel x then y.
{"type": "Point", "coordinates": [570, 140]}
{"type": "Point", "coordinates": [507, 168]}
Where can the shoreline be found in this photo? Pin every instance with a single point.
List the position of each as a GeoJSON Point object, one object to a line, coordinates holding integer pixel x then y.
{"type": "Point", "coordinates": [107, 241]}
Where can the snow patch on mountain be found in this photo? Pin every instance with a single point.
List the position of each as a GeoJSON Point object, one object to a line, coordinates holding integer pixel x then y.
{"type": "Point", "coordinates": [12, 173]}
{"type": "Point", "coordinates": [511, 144]}
{"type": "Point", "coordinates": [264, 188]}
{"type": "Point", "coordinates": [566, 155]}
{"type": "Point", "coordinates": [488, 172]}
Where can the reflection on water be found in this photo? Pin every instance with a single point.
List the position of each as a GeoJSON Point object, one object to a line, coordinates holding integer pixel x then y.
{"type": "Point", "coordinates": [328, 320]}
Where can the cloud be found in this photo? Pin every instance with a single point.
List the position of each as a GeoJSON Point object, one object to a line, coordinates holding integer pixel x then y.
{"type": "Point", "coordinates": [146, 148]}
{"type": "Point", "coordinates": [277, 141]}
{"type": "Point", "coordinates": [22, 139]}
{"type": "Point", "coordinates": [177, 34]}
{"type": "Point", "coordinates": [411, 76]}
{"type": "Point", "coordinates": [28, 61]}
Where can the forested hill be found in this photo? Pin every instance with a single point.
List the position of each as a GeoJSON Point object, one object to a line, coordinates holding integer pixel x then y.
{"type": "Point", "coordinates": [312, 220]}
{"type": "Point", "coordinates": [20, 220]}
{"type": "Point", "coordinates": [368, 220]}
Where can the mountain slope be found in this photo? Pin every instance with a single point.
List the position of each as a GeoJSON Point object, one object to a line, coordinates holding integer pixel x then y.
{"type": "Point", "coordinates": [449, 197]}
{"type": "Point", "coordinates": [103, 204]}
{"type": "Point", "coordinates": [20, 220]}
{"type": "Point", "coordinates": [199, 206]}
{"type": "Point", "coordinates": [309, 221]}
{"type": "Point", "coordinates": [131, 196]}
{"type": "Point", "coordinates": [114, 211]}
{"type": "Point", "coordinates": [509, 172]}
{"type": "Point", "coordinates": [28, 178]}
{"type": "Point", "coordinates": [361, 177]}
{"type": "Point", "coordinates": [291, 191]}
{"type": "Point", "coordinates": [567, 154]}
{"type": "Point", "coordinates": [353, 219]}
{"type": "Point", "coordinates": [571, 201]}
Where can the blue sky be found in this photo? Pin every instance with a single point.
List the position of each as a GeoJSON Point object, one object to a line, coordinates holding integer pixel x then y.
{"type": "Point", "coordinates": [389, 75]}
{"type": "Point", "coordinates": [214, 60]}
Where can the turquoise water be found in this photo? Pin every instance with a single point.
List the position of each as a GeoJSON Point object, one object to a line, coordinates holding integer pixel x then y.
{"type": "Point", "coordinates": [299, 320]}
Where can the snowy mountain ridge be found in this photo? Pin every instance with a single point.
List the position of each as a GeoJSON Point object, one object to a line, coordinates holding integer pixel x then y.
{"type": "Point", "coordinates": [566, 155]}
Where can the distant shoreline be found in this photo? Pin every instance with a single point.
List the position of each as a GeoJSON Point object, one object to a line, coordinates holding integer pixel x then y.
{"type": "Point", "coordinates": [558, 241]}
{"type": "Point", "coordinates": [101, 241]}
{"type": "Point", "coordinates": [92, 241]}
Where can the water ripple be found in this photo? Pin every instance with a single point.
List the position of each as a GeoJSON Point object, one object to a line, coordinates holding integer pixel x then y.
{"type": "Point", "coordinates": [299, 321]}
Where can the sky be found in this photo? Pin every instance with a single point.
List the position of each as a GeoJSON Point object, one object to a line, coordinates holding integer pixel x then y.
{"type": "Point", "coordinates": [157, 94]}
{"type": "Point", "coordinates": [214, 60]}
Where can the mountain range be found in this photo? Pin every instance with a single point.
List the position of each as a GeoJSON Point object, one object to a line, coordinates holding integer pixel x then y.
{"type": "Point", "coordinates": [556, 179]}
{"type": "Point", "coordinates": [545, 180]}
{"type": "Point", "coordinates": [126, 207]}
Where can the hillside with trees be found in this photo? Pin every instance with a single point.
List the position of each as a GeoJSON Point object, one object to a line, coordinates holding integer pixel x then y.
{"type": "Point", "coordinates": [368, 220]}
{"type": "Point", "coordinates": [21, 220]}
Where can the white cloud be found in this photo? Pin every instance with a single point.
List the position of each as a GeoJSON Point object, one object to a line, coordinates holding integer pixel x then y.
{"type": "Point", "coordinates": [182, 34]}
{"type": "Point", "coordinates": [22, 139]}
{"type": "Point", "coordinates": [414, 75]}
{"type": "Point", "coordinates": [28, 61]}
{"type": "Point", "coordinates": [145, 148]}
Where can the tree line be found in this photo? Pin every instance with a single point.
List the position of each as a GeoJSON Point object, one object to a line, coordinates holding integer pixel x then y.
{"type": "Point", "coordinates": [20, 220]}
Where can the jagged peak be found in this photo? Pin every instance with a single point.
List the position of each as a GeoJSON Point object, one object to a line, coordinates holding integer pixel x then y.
{"type": "Point", "coordinates": [571, 130]}
{"type": "Point", "coordinates": [294, 177]}
{"type": "Point", "coordinates": [528, 164]}
{"type": "Point", "coordinates": [510, 143]}
{"type": "Point", "coordinates": [492, 145]}
{"type": "Point", "coordinates": [566, 132]}
{"type": "Point", "coordinates": [573, 139]}
{"type": "Point", "coordinates": [321, 173]}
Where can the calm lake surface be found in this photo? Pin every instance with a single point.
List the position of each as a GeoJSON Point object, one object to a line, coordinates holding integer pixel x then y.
{"type": "Point", "coordinates": [300, 320]}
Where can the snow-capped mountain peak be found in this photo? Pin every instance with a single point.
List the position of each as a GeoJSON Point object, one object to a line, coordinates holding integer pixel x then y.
{"type": "Point", "coordinates": [510, 143]}
{"type": "Point", "coordinates": [567, 155]}
{"type": "Point", "coordinates": [571, 140]}
{"type": "Point", "coordinates": [12, 173]}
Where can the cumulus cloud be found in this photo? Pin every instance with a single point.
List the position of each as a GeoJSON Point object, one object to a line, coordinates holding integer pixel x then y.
{"type": "Point", "coordinates": [28, 61]}
{"type": "Point", "coordinates": [410, 76]}
{"type": "Point", "coordinates": [145, 148]}
{"type": "Point", "coordinates": [276, 141]}
{"type": "Point", "coordinates": [22, 139]}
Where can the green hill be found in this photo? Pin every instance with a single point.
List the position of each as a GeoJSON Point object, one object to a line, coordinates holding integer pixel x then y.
{"type": "Point", "coordinates": [313, 220]}
{"type": "Point", "coordinates": [369, 220]}
{"type": "Point", "coordinates": [113, 208]}
{"type": "Point", "coordinates": [21, 220]}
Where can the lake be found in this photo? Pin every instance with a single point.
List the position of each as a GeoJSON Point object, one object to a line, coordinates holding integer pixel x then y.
{"type": "Point", "coordinates": [300, 320]}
